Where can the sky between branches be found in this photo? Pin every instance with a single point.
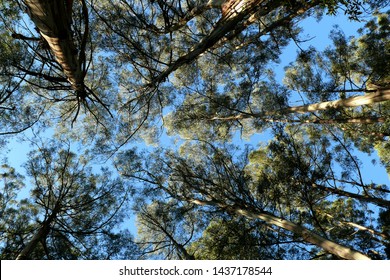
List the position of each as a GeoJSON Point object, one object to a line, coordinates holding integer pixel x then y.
{"type": "Point", "coordinates": [317, 35]}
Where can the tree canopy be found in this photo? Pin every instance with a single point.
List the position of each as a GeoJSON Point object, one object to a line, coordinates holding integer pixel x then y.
{"type": "Point", "coordinates": [145, 108]}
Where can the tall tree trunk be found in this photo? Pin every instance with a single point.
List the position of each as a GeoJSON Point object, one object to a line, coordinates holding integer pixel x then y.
{"type": "Point", "coordinates": [41, 234]}
{"type": "Point", "coordinates": [363, 228]}
{"type": "Point", "coordinates": [53, 20]}
{"type": "Point", "coordinates": [223, 26]}
{"type": "Point", "coordinates": [380, 95]}
{"type": "Point", "coordinates": [360, 120]}
{"type": "Point", "coordinates": [234, 14]}
{"type": "Point", "coordinates": [307, 235]}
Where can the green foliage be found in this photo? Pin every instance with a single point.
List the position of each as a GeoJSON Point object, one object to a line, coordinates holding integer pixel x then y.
{"type": "Point", "coordinates": [181, 70]}
{"type": "Point", "coordinates": [237, 240]}
{"type": "Point", "coordinates": [349, 66]}
{"type": "Point", "coordinates": [73, 202]}
{"type": "Point", "coordinates": [288, 178]}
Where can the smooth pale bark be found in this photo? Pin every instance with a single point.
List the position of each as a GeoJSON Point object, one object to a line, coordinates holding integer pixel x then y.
{"type": "Point", "coordinates": [307, 235]}
{"type": "Point", "coordinates": [237, 16]}
{"type": "Point", "coordinates": [295, 11]}
{"type": "Point", "coordinates": [319, 121]}
{"type": "Point", "coordinates": [360, 227]}
{"type": "Point", "coordinates": [53, 20]}
{"type": "Point", "coordinates": [380, 95]}
{"type": "Point", "coordinates": [223, 26]}
{"type": "Point", "coordinates": [348, 120]}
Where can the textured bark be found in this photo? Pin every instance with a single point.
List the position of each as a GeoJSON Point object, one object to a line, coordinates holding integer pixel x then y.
{"type": "Point", "coordinates": [307, 235]}
{"type": "Point", "coordinates": [293, 12]}
{"type": "Point", "coordinates": [53, 20]}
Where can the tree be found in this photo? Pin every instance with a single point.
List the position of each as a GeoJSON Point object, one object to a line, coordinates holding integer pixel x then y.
{"type": "Point", "coordinates": [343, 71]}
{"type": "Point", "coordinates": [17, 111]}
{"type": "Point", "coordinates": [71, 213]}
{"type": "Point", "coordinates": [170, 50]}
{"type": "Point", "coordinates": [10, 219]}
{"type": "Point", "coordinates": [241, 239]}
{"type": "Point", "coordinates": [165, 229]}
{"type": "Point", "coordinates": [317, 165]}
{"type": "Point", "coordinates": [56, 70]}
{"type": "Point", "coordinates": [209, 177]}
{"type": "Point", "coordinates": [53, 19]}
{"type": "Point", "coordinates": [353, 65]}
{"type": "Point", "coordinates": [104, 75]}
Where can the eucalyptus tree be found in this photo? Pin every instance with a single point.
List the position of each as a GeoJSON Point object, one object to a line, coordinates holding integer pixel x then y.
{"type": "Point", "coordinates": [11, 219]}
{"type": "Point", "coordinates": [313, 156]}
{"type": "Point", "coordinates": [327, 82]}
{"type": "Point", "coordinates": [17, 111]}
{"type": "Point", "coordinates": [169, 51]}
{"type": "Point", "coordinates": [351, 66]}
{"type": "Point", "coordinates": [134, 59]}
{"type": "Point", "coordinates": [282, 190]}
{"type": "Point", "coordinates": [165, 229]}
{"type": "Point", "coordinates": [324, 166]}
{"type": "Point", "coordinates": [150, 42]}
{"type": "Point", "coordinates": [237, 238]}
{"type": "Point", "coordinates": [171, 228]}
{"type": "Point", "coordinates": [105, 72]}
{"type": "Point", "coordinates": [70, 213]}
{"type": "Point", "coordinates": [55, 67]}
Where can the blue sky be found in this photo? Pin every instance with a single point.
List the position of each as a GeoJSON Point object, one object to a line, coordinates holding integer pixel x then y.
{"type": "Point", "coordinates": [319, 32]}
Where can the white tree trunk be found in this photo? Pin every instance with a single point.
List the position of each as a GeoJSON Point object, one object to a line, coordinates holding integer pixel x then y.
{"type": "Point", "coordinates": [307, 235]}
